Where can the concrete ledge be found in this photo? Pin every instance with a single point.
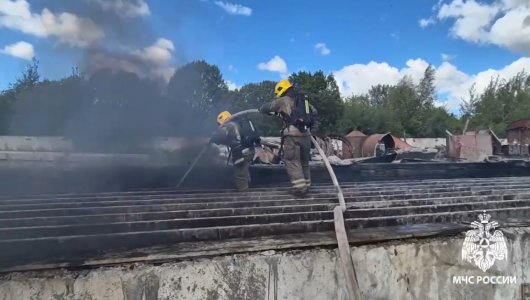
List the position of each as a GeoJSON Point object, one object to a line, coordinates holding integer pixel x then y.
{"type": "Point", "coordinates": [192, 250]}
{"type": "Point", "coordinates": [403, 269]}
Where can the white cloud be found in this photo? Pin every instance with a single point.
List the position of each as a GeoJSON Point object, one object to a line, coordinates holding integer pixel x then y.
{"type": "Point", "coordinates": [472, 18]}
{"type": "Point", "coordinates": [453, 83]}
{"type": "Point", "coordinates": [21, 49]}
{"type": "Point", "coordinates": [125, 8]}
{"type": "Point", "coordinates": [512, 30]}
{"type": "Point", "coordinates": [66, 27]}
{"type": "Point", "coordinates": [426, 22]}
{"type": "Point", "coordinates": [234, 9]}
{"type": "Point", "coordinates": [322, 49]}
{"type": "Point", "coordinates": [437, 5]}
{"type": "Point", "coordinates": [450, 81]}
{"type": "Point", "coordinates": [359, 78]}
{"type": "Point", "coordinates": [232, 86]}
{"type": "Point", "coordinates": [231, 68]}
{"type": "Point", "coordinates": [504, 23]}
{"type": "Point", "coordinates": [275, 64]}
{"type": "Point", "coordinates": [456, 84]}
{"type": "Point", "coordinates": [447, 57]}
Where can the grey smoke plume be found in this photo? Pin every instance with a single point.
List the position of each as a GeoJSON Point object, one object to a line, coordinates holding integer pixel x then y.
{"type": "Point", "coordinates": [112, 34]}
{"type": "Point", "coordinates": [127, 34]}
{"type": "Point", "coordinates": [121, 100]}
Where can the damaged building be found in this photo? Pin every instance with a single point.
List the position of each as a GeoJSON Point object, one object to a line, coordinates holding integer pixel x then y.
{"type": "Point", "coordinates": [123, 231]}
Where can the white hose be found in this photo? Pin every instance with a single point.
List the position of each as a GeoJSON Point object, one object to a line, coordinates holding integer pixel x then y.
{"type": "Point", "coordinates": [342, 203]}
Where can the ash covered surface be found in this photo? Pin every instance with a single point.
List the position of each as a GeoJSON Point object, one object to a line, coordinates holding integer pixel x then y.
{"type": "Point", "coordinates": [122, 177]}
{"type": "Point", "coordinates": [70, 230]}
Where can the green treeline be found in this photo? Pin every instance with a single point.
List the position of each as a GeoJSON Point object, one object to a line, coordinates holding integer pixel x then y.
{"type": "Point", "coordinates": [113, 110]}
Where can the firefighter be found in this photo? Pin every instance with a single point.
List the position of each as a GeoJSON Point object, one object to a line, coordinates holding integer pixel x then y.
{"type": "Point", "coordinates": [298, 116]}
{"type": "Point", "coordinates": [240, 137]}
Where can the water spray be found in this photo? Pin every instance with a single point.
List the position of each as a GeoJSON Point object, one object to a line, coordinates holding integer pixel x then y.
{"type": "Point", "coordinates": [198, 157]}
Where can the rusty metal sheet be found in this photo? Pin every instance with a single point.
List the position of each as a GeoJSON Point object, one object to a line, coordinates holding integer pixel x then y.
{"type": "Point", "coordinates": [470, 147]}
{"type": "Point", "coordinates": [370, 144]}
{"type": "Point", "coordinates": [356, 146]}
{"type": "Point", "coordinates": [355, 133]}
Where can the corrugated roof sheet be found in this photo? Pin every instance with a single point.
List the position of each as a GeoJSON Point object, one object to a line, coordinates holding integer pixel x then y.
{"type": "Point", "coordinates": [525, 123]}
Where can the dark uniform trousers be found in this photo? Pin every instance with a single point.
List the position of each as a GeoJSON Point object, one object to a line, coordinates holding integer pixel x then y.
{"type": "Point", "coordinates": [296, 156]}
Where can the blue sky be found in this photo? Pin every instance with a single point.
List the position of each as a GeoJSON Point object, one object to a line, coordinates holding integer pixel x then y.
{"type": "Point", "coordinates": [361, 42]}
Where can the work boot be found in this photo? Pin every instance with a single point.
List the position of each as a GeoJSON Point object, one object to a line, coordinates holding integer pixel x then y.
{"type": "Point", "coordinates": [298, 193]}
{"type": "Point", "coordinates": [243, 190]}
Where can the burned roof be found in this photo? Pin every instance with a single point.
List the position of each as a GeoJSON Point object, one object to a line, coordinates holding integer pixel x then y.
{"type": "Point", "coordinates": [355, 133]}
{"type": "Point", "coordinates": [75, 230]}
{"type": "Point", "coordinates": [524, 123]}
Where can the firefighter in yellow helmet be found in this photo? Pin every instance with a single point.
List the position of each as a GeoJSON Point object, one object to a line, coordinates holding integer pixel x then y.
{"type": "Point", "coordinates": [299, 117]}
{"type": "Point", "coordinates": [240, 137]}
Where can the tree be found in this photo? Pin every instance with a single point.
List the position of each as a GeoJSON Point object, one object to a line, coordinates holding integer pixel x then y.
{"type": "Point", "coordinates": [45, 108]}
{"type": "Point", "coordinates": [502, 102]}
{"type": "Point", "coordinates": [406, 105]}
{"type": "Point", "coordinates": [324, 95]}
{"type": "Point", "coordinates": [254, 95]}
{"type": "Point", "coordinates": [119, 111]}
{"type": "Point", "coordinates": [378, 95]}
{"type": "Point", "coordinates": [426, 89]}
{"type": "Point", "coordinates": [29, 78]}
{"type": "Point", "coordinates": [196, 93]}
{"type": "Point", "coordinates": [469, 107]}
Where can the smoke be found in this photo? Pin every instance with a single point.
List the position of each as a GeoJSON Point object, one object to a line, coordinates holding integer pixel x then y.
{"type": "Point", "coordinates": [109, 34]}
{"type": "Point", "coordinates": [130, 44]}
{"type": "Point", "coordinates": [122, 98]}
{"type": "Point", "coordinates": [155, 61]}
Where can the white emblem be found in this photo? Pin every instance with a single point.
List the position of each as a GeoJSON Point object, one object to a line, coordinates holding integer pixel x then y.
{"type": "Point", "coordinates": [483, 244]}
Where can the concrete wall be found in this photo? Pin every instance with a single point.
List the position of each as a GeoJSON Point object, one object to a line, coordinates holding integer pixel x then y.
{"type": "Point", "coordinates": [31, 152]}
{"type": "Point", "coordinates": [425, 142]}
{"type": "Point", "coordinates": [60, 144]}
{"type": "Point", "coordinates": [33, 143]}
{"type": "Point", "coordinates": [410, 269]}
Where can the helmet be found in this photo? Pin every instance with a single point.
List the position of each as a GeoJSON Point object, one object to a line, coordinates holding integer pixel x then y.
{"type": "Point", "coordinates": [222, 117]}
{"type": "Point", "coordinates": [281, 87]}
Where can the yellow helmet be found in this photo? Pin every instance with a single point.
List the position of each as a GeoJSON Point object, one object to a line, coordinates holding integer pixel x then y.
{"type": "Point", "coordinates": [281, 87]}
{"type": "Point", "coordinates": [222, 117]}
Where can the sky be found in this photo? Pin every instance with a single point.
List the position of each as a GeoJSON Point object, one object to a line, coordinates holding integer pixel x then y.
{"type": "Point", "coordinates": [362, 43]}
